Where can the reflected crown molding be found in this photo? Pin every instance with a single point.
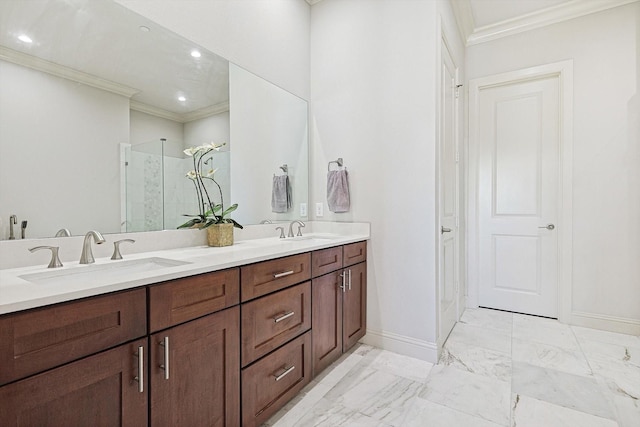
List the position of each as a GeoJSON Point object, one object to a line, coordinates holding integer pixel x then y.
{"type": "Point", "coordinates": [38, 64]}
{"type": "Point", "coordinates": [541, 18]}
{"type": "Point", "coordinates": [177, 117]}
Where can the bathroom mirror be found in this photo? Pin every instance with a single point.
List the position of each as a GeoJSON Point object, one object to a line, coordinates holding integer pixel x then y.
{"type": "Point", "coordinates": [99, 84]}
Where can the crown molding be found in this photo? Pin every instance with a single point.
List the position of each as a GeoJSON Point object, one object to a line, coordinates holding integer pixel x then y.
{"type": "Point", "coordinates": [551, 15]}
{"type": "Point", "coordinates": [464, 17]}
{"type": "Point", "coordinates": [178, 117]}
{"type": "Point", "coordinates": [58, 70]}
{"type": "Point", "coordinates": [312, 2]}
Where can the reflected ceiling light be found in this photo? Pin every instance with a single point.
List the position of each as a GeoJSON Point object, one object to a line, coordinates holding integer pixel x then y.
{"type": "Point", "coordinates": [144, 29]}
{"type": "Point", "coordinates": [25, 38]}
{"type": "Point", "coordinates": [182, 98]}
{"type": "Point", "coordinates": [196, 54]}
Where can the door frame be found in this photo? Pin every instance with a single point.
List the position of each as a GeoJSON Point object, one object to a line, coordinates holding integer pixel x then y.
{"type": "Point", "coordinates": [563, 70]}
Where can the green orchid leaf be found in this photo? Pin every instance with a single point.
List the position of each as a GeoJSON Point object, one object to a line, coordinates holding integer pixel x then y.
{"type": "Point", "coordinates": [230, 209]}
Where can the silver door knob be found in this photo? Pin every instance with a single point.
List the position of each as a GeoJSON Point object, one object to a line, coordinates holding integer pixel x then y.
{"type": "Point", "coordinates": [548, 226]}
{"type": "Point", "coordinates": [444, 230]}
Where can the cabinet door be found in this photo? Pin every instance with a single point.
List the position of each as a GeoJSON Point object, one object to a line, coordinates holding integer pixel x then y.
{"type": "Point", "coordinates": [100, 390]}
{"type": "Point", "coordinates": [355, 305]}
{"type": "Point", "coordinates": [326, 324]}
{"type": "Point", "coordinates": [195, 372]}
{"type": "Point", "coordinates": [324, 261]}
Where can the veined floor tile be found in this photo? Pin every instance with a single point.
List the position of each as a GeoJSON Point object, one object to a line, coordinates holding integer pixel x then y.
{"type": "Point", "coordinates": [622, 378]}
{"type": "Point", "coordinates": [376, 394]}
{"type": "Point", "coordinates": [549, 356]}
{"type": "Point", "coordinates": [607, 337]}
{"type": "Point", "coordinates": [333, 374]}
{"type": "Point", "coordinates": [473, 394]}
{"type": "Point", "coordinates": [530, 412]}
{"type": "Point", "coordinates": [424, 413]}
{"type": "Point", "coordinates": [329, 414]}
{"type": "Point", "coordinates": [291, 413]}
{"type": "Point", "coordinates": [560, 388]}
{"type": "Point", "coordinates": [481, 337]}
{"type": "Point", "coordinates": [627, 411]}
{"type": "Point", "coordinates": [402, 366]}
{"type": "Point", "coordinates": [544, 331]}
{"type": "Point", "coordinates": [477, 360]}
{"type": "Point", "coordinates": [617, 352]}
{"type": "Point", "coordinates": [485, 318]}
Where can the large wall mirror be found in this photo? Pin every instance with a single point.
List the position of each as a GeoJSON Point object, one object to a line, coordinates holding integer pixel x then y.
{"type": "Point", "coordinates": [97, 106]}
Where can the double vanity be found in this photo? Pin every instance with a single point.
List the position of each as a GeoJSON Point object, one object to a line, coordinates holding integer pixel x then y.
{"type": "Point", "coordinates": [184, 336]}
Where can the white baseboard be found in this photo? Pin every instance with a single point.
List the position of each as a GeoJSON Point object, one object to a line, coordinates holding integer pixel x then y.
{"type": "Point", "coordinates": [606, 323]}
{"type": "Point", "coordinates": [407, 346]}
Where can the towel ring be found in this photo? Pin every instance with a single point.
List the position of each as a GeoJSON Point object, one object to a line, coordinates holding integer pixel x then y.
{"type": "Point", "coordinates": [339, 162]}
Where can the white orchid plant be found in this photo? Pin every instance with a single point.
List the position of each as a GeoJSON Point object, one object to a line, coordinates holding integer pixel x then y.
{"type": "Point", "coordinates": [209, 213]}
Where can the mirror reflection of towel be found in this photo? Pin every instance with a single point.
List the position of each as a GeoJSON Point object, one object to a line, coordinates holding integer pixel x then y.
{"type": "Point", "coordinates": [338, 191]}
{"type": "Point", "coordinates": [281, 200]}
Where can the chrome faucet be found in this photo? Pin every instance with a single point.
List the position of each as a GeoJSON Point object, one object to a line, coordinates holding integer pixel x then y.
{"type": "Point", "coordinates": [12, 221]}
{"type": "Point", "coordinates": [87, 256]}
{"type": "Point", "coordinates": [63, 232]}
{"type": "Point", "coordinates": [300, 225]}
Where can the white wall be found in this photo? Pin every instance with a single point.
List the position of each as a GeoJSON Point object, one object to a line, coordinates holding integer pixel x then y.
{"type": "Point", "coordinates": [269, 38]}
{"type": "Point", "coordinates": [59, 146]}
{"type": "Point", "coordinates": [605, 48]}
{"type": "Point", "coordinates": [373, 98]}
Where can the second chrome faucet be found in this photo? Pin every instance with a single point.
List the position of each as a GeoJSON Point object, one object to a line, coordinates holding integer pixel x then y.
{"type": "Point", "coordinates": [87, 255]}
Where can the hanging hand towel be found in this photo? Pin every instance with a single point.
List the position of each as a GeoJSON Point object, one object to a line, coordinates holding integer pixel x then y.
{"type": "Point", "coordinates": [338, 191]}
{"type": "Point", "coordinates": [281, 200]}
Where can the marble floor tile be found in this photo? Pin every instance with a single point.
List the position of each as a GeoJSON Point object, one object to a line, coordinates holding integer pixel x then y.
{"type": "Point", "coordinates": [376, 394]}
{"type": "Point", "coordinates": [544, 331]}
{"type": "Point", "coordinates": [291, 413]}
{"type": "Point", "coordinates": [481, 337]}
{"type": "Point", "coordinates": [424, 413]}
{"type": "Point", "coordinates": [485, 318]}
{"type": "Point", "coordinates": [616, 352]}
{"type": "Point", "coordinates": [477, 360]}
{"type": "Point", "coordinates": [572, 391]}
{"type": "Point", "coordinates": [530, 412]}
{"type": "Point", "coordinates": [607, 337]}
{"type": "Point", "coordinates": [402, 366]}
{"type": "Point", "coordinates": [550, 356]}
{"type": "Point", "coordinates": [473, 394]}
{"type": "Point", "coordinates": [334, 373]}
{"type": "Point", "coordinates": [627, 411]}
{"type": "Point", "coordinates": [621, 378]}
{"type": "Point", "coordinates": [329, 414]}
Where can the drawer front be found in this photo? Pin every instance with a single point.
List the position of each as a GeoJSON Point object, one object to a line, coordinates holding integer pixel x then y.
{"type": "Point", "coordinates": [270, 276]}
{"type": "Point", "coordinates": [185, 299]}
{"type": "Point", "coordinates": [355, 253]}
{"type": "Point", "coordinates": [41, 339]}
{"type": "Point", "coordinates": [270, 321]}
{"type": "Point", "coordinates": [326, 260]}
{"type": "Point", "coordinates": [270, 383]}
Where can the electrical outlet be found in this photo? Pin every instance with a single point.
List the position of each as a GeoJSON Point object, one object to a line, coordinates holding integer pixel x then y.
{"type": "Point", "coordinates": [303, 209]}
{"type": "Point", "coordinates": [319, 209]}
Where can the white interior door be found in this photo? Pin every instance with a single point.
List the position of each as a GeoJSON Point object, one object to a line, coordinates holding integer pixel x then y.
{"type": "Point", "coordinates": [448, 201]}
{"type": "Point", "coordinates": [518, 167]}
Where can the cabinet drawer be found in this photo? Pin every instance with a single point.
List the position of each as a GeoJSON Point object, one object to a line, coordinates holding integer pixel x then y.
{"type": "Point", "coordinates": [185, 299]}
{"type": "Point", "coordinates": [41, 339]}
{"type": "Point", "coordinates": [269, 276]}
{"type": "Point", "coordinates": [271, 382]}
{"type": "Point", "coordinates": [354, 253]}
{"type": "Point", "coordinates": [326, 260]}
{"type": "Point", "coordinates": [270, 321]}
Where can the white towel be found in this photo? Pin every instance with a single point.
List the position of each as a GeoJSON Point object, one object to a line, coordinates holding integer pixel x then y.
{"type": "Point", "coordinates": [281, 200]}
{"type": "Point", "coordinates": [338, 191]}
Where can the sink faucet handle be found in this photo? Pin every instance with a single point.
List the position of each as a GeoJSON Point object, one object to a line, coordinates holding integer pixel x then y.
{"type": "Point", "coordinates": [55, 260]}
{"type": "Point", "coordinates": [300, 225]}
{"type": "Point", "coordinates": [281, 232]}
{"type": "Point", "coordinates": [116, 248]}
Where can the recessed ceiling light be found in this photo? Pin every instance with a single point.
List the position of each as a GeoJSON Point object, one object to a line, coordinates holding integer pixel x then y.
{"type": "Point", "coordinates": [144, 29]}
{"type": "Point", "coordinates": [196, 54]}
{"type": "Point", "coordinates": [182, 98]}
{"type": "Point", "coordinates": [25, 38]}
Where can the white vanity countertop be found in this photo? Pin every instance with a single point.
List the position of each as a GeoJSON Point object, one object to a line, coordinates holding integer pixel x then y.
{"type": "Point", "coordinates": [70, 282]}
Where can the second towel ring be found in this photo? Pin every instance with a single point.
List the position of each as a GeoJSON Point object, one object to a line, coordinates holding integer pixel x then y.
{"type": "Point", "coordinates": [339, 162]}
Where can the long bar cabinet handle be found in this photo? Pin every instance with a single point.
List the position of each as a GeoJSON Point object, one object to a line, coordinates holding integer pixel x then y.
{"type": "Point", "coordinates": [278, 319]}
{"type": "Point", "coordinates": [286, 372]}
{"type": "Point", "coordinates": [165, 366]}
{"type": "Point", "coordinates": [284, 273]}
{"type": "Point", "coordinates": [349, 279]}
{"type": "Point", "coordinates": [140, 377]}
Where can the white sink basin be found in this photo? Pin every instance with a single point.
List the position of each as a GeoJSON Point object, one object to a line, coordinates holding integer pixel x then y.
{"type": "Point", "coordinates": [117, 270]}
{"type": "Point", "coordinates": [320, 238]}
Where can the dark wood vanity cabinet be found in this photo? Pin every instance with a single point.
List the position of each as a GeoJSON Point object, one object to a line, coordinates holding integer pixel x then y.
{"type": "Point", "coordinates": [339, 305]}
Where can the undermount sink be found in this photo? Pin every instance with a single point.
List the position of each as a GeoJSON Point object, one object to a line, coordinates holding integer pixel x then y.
{"type": "Point", "coordinates": [101, 272]}
{"type": "Point", "coordinates": [316, 237]}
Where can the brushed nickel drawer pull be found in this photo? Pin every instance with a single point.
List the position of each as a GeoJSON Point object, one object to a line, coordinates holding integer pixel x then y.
{"type": "Point", "coordinates": [284, 374]}
{"type": "Point", "coordinates": [349, 279]}
{"type": "Point", "coordinates": [165, 343]}
{"type": "Point", "coordinates": [140, 377]}
{"type": "Point", "coordinates": [344, 283]}
{"type": "Point", "coordinates": [284, 273]}
{"type": "Point", "coordinates": [278, 319]}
